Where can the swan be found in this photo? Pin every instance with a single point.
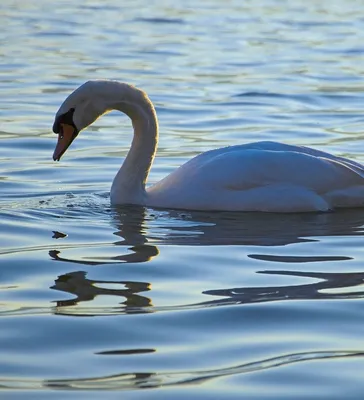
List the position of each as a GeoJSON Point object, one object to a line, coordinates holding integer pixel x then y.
{"type": "Point", "coordinates": [260, 176]}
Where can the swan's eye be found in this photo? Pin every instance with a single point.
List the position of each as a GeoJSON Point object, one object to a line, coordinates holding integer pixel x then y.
{"type": "Point", "coordinates": [66, 118]}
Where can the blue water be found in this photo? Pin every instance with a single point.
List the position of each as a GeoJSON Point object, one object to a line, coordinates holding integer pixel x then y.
{"type": "Point", "coordinates": [133, 303]}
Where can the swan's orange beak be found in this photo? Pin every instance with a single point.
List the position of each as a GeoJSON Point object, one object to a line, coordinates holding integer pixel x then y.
{"type": "Point", "coordinates": [65, 138]}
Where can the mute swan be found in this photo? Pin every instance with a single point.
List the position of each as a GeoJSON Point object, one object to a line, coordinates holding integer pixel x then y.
{"type": "Point", "coordinates": [261, 176]}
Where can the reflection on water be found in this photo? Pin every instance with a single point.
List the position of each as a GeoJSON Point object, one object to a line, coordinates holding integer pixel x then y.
{"type": "Point", "coordinates": [141, 253]}
{"type": "Point", "coordinates": [138, 226]}
{"type": "Point", "coordinates": [328, 288]}
{"type": "Point", "coordinates": [133, 225]}
{"type": "Point", "coordinates": [331, 286]}
{"type": "Point", "coordinates": [86, 290]}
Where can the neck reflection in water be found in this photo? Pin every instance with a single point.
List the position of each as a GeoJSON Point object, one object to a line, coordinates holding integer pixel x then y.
{"type": "Point", "coordinates": [140, 230]}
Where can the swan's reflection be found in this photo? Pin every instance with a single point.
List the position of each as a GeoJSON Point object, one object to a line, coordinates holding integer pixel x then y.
{"type": "Point", "coordinates": [85, 289]}
{"type": "Point", "coordinates": [327, 288]}
{"type": "Point", "coordinates": [330, 286]}
{"type": "Point", "coordinates": [143, 229]}
{"type": "Point", "coordinates": [139, 231]}
{"type": "Point", "coordinates": [140, 253]}
{"type": "Point", "coordinates": [137, 225]}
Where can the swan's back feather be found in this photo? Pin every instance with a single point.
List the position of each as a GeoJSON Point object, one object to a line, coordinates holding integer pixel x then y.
{"type": "Point", "coordinates": [266, 176]}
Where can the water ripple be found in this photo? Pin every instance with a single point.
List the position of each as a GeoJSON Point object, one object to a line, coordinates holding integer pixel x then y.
{"type": "Point", "coordinates": [144, 380]}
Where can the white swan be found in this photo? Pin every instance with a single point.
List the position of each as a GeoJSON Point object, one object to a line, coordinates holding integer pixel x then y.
{"type": "Point", "coordinates": [262, 176]}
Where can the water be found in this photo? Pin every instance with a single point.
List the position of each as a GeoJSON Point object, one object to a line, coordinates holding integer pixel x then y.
{"type": "Point", "coordinates": [95, 300]}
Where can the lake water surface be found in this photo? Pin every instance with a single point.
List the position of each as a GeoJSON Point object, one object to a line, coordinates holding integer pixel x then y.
{"type": "Point", "coordinates": [133, 303]}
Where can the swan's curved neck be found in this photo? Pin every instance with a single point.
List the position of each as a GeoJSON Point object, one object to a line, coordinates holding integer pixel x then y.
{"type": "Point", "coordinates": [129, 183]}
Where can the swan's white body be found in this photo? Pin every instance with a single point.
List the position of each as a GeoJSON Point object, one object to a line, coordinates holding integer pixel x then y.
{"type": "Point", "coordinates": [262, 176]}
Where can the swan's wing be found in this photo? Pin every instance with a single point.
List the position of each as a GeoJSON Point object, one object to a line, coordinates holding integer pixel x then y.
{"type": "Point", "coordinates": [318, 153]}
{"type": "Point", "coordinates": [276, 146]}
{"type": "Point", "coordinates": [264, 176]}
{"type": "Point", "coordinates": [266, 163]}
{"type": "Point", "coordinates": [262, 168]}
{"type": "Point", "coordinates": [253, 173]}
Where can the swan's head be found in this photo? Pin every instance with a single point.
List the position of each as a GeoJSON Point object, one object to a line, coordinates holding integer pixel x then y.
{"type": "Point", "coordinates": [82, 107]}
